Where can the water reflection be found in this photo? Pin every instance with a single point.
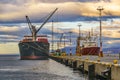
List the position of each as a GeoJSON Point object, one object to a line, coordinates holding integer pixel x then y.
{"type": "Point", "coordinates": [11, 68]}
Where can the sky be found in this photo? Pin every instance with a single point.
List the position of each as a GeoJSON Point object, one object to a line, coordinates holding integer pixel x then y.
{"type": "Point", "coordinates": [69, 15]}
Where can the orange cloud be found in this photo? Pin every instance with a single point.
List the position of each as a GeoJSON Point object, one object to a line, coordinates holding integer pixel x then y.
{"type": "Point", "coordinates": [9, 29]}
{"type": "Point", "coordinates": [35, 9]}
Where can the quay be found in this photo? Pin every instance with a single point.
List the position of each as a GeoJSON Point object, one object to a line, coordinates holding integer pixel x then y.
{"type": "Point", "coordinates": [102, 68]}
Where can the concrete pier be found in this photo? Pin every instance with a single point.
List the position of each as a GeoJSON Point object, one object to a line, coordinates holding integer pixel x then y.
{"type": "Point", "coordinates": [104, 68]}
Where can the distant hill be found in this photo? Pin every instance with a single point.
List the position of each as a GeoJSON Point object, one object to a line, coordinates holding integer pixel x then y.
{"type": "Point", "coordinates": [67, 49]}
{"type": "Point", "coordinates": [112, 50]}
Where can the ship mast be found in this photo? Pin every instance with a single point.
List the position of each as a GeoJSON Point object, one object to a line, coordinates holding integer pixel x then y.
{"type": "Point", "coordinates": [70, 43]}
{"type": "Point", "coordinates": [52, 37]}
{"type": "Point", "coordinates": [78, 48]}
{"type": "Point", "coordinates": [100, 8]}
{"type": "Point", "coordinates": [64, 40]}
{"type": "Point", "coordinates": [33, 29]}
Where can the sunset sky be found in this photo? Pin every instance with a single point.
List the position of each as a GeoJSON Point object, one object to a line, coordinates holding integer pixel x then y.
{"type": "Point", "coordinates": [69, 15]}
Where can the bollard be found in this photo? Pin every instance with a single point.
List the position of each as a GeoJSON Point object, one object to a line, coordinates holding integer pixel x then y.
{"type": "Point", "coordinates": [86, 59]}
{"type": "Point", "coordinates": [107, 73]}
{"type": "Point", "coordinates": [70, 64]}
{"type": "Point", "coordinates": [75, 65]}
{"type": "Point", "coordinates": [81, 68]}
{"type": "Point", "coordinates": [98, 60]}
{"type": "Point", "coordinates": [61, 61]}
{"type": "Point", "coordinates": [70, 54]}
{"type": "Point", "coordinates": [115, 61]}
{"type": "Point", "coordinates": [66, 62]}
{"type": "Point", "coordinates": [91, 72]}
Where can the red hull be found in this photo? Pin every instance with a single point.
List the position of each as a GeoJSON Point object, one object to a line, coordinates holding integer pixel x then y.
{"type": "Point", "coordinates": [90, 51]}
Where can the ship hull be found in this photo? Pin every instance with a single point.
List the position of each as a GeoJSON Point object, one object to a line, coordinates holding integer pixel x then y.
{"type": "Point", "coordinates": [90, 51]}
{"type": "Point", "coordinates": [34, 50]}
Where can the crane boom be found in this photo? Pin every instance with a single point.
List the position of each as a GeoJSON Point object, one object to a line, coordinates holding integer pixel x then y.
{"type": "Point", "coordinates": [33, 28]}
{"type": "Point", "coordinates": [47, 19]}
{"type": "Point", "coordinates": [29, 23]}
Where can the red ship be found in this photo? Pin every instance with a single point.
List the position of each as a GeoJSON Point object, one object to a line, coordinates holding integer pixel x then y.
{"type": "Point", "coordinates": [88, 45]}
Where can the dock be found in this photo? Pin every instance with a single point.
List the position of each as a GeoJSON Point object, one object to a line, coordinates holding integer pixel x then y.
{"type": "Point", "coordinates": [103, 68]}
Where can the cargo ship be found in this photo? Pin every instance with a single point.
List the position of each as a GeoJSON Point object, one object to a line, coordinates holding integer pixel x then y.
{"type": "Point", "coordinates": [88, 45]}
{"type": "Point", "coordinates": [38, 49]}
{"type": "Point", "coordinates": [35, 47]}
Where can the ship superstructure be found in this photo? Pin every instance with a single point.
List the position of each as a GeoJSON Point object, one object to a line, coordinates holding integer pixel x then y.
{"type": "Point", "coordinates": [88, 45]}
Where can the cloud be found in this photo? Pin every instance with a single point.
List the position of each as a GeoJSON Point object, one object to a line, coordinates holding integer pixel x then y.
{"type": "Point", "coordinates": [8, 36]}
{"type": "Point", "coordinates": [111, 34]}
{"type": "Point", "coordinates": [15, 32]}
{"type": "Point", "coordinates": [9, 48]}
{"type": "Point", "coordinates": [69, 10]}
{"type": "Point", "coordinates": [9, 29]}
{"type": "Point", "coordinates": [113, 41]}
{"type": "Point", "coordinates": [46, 1]}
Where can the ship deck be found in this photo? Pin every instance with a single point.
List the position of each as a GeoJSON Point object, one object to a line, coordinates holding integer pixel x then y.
{"type": "Point", "coordinates": [106, 58]}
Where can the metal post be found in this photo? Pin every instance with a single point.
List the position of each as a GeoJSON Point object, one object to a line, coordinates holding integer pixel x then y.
{"type": "Point", "coordinates": [100, 10]}
{"type": "Point", "coordinates": [70, 44]}
{"type": "Point", "coordinates": [79, 39]}
{"type": "Point", "coordinates": [79, 29]}
{"type": "Point", "coordinates": [119, 56]}
{"type": "Point", "coordinates": [64, 41]}
{"type": "Point", "coordinates": [91, 72]}
{"type": "Point", "coordinates": [52, 36]}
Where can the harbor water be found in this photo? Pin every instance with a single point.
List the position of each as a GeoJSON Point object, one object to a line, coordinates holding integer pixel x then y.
{"type": "Point", "coordinates": [12, 68]}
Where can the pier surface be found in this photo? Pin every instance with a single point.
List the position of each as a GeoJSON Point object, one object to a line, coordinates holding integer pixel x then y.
{"type": "Point", "coordinates": [107, 67]}
{"type": "Point", "coordinates": [109, 58]}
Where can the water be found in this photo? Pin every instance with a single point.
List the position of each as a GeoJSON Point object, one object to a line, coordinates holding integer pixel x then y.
{"type": "Point", "coordinates": [11, 68]}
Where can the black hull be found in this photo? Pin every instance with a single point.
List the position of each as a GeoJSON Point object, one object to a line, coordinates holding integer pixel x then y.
{"type": "Point", "coordinates": [34, 58]}
{"type": "Point", "coordinates": [34, 50]}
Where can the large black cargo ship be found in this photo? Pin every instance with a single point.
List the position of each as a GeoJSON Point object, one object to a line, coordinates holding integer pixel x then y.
{"type": "Point", "coordinates": [38, 49]}
{"type": "Point", "coordinates": [35, 47]}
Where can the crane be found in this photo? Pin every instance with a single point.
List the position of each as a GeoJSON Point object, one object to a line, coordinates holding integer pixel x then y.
{"type": "Point", "coordinates": [61, 38]}
{"type": "Point", "coordinates": [33, 29]}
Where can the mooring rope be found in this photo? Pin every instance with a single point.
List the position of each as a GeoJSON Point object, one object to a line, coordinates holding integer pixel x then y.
{"type": "Point", "coordinates": [35, 47]}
